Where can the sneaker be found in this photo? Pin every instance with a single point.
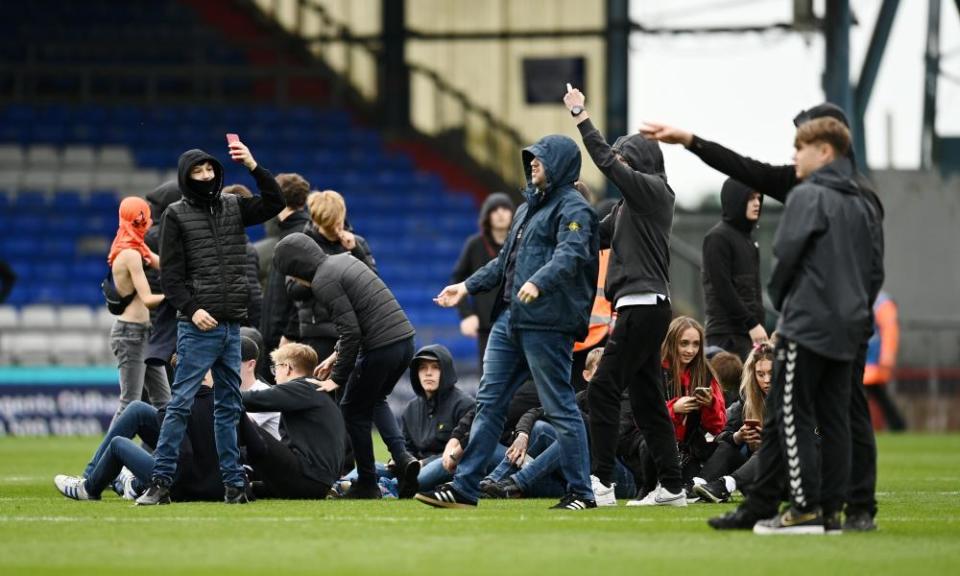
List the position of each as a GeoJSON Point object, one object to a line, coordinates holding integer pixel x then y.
{"type": "Point", "coordinates": [739, 519]}
{"type": "Point", "coordinates": [604, 494]}
{"type": "Point", "coordinates": [504, 489]}
{"type": "Point", "coordinates": [832, 524]}
{"type": "Point", "coordinates": [127, 479]}
{"type": "Point", "coordinates": [72, 487]}
{"type": "Point", "coordinates": [235, 495]}
{"type": "Point", "coordinates": [445, 496]}
{"type": "Point", "coordinates": [358, 491]}
{"type": "Point", "coordinates": [791, 522]}
{"type": "Point", "coordinates": [574, 502]}
{"type": "Point", "coordinates": [714, 491]}
{"type": "Point", "coordinates": [692, 498]}
{"type": "Point", "coordinates": [156, 494]}
{"type": "Point", "coordinates": [407, 473]}
{"type": "Point", "coordinates": [662, 497]}
{"type": "Point", "coordinates": [859, 522]}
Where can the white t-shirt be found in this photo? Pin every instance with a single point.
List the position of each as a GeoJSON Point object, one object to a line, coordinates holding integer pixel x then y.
{"type": "Point", "coordinates": [269, 421]}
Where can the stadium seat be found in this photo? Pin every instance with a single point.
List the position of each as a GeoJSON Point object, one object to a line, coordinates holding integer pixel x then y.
{"type": "Point", "coordinates": [38, 317]}
{"type": "Point", "coordinates": [115, 157]}
{"type": "Point", "coordinates": [30, 348]}
{"type": "Point", "coordinates": [41, 180]}
{"type": "Point", "coordinates": [43, 156]}
{"type": "Point", "coordinates": [9, 318]}
{"type": "Point", "coordinates": [105, 319]}
{"type": "Point", "coordinates": [112, 180]}
{"type": "Point", "coordinates": [77, 318]}
{"type": "Point", "coordinates": [78, 156]}
{"type": "Point", "coordinates": [75, 348]}
{"type": "Point", "coordinates": [76, 179]}
{"type": "Point", "coordinates": [11, 157]}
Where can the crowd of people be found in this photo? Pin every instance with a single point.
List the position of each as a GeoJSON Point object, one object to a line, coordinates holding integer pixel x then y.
{"type": "Point", "coordinates": [591, 390]}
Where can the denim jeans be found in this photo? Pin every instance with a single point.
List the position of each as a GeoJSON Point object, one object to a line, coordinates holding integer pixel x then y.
{"type": "Point", "coordinates": [128, 342]}
{"type": "Point", "coordinates": [512, 357]}
{"type": "Point", "coordinates": [117, 450]}
{"type": "Point", "coordinates": [542, 436]}
{"type": "Point", "coordinates": [434, 474]}
{"type": "Point", "coordinates": [197, 352]}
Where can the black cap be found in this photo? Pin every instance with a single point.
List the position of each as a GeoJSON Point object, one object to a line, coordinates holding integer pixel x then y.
{"type": "Point", "coordinates": [825, 110]}
{"type": "Point", "coordinates": [426, 355]}
{"type": "Point", "coordinates": [248, 349]}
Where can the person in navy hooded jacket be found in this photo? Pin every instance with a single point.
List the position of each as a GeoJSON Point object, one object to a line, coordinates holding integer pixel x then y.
{"type": "Point", "coordinates": [545, 276]}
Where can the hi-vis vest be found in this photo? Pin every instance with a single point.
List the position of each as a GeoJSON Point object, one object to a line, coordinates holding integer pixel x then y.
{"type": "Point", "coordinates": [601, 317]}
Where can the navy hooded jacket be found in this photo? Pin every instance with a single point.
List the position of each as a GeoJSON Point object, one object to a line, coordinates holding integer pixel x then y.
{"type": "Point", "coordinates": [558, 251]}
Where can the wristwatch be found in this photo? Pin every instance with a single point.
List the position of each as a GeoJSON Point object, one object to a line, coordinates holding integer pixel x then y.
{"type": "Point", "coordinates": [576, 111]}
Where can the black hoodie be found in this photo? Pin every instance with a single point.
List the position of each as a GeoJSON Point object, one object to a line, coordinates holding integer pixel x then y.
{"type": "Point", "coordinates": [824, 262]}
{"type": "Point", "coordinates": [477, 251]}
{"type": "Point", "coordinates": [361, 306]}
{"type": "Point", "coordinates": [428, 423]}
{"type": "Point", "coordinates": [731, 267]}
{"type": "Point", "coordinates": [639, 226]}
{"type": "Point", "coordinates": [277, 307]}
{"type": "Point", "coordinates": [163, 318]}
{"type": "Point", "coordinates": [203, 244]}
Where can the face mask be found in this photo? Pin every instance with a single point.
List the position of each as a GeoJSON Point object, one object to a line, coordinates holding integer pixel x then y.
{"type": "Point", "coordinates": [204, 188]}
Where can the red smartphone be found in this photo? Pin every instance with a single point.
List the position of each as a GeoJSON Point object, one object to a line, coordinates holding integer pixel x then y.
{"type": "Point", "coordinates": [750, 423]}
{"type": "Point", "coordinates": [231, 138]}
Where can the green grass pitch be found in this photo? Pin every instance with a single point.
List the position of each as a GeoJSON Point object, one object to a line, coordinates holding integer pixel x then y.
{"type": "Point", "coordinates": [43, 533]}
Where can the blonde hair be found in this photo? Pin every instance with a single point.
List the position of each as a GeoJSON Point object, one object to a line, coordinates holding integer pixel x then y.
{"type": "Point", "coordinates": [300, 357]}
{"type": "Point", "coordinates": [593, 359]}
{"type": "Point", "coordinates": [700, 371]}
{"type": "Point", "coordinates": [327, 209]}
{"type": "Point", "coordinates": [749, 387]}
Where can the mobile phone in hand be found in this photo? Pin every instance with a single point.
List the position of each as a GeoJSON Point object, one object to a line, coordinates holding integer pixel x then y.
{"type": "Point", "coordinates": [231, 138]}
{"type": "Point", "coordinates": [751, 423]}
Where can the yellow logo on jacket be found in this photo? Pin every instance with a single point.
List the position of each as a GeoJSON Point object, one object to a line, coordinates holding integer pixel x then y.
{"type": "Point", "coordinates": [573, 227]}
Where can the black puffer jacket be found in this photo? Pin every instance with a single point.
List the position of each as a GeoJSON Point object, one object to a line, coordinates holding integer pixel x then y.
{"type": "Point", "coordinates": [639, 226]}
{"type": "Point", "coordinates": [203, 244]}
{"type": "Point", "coordinates": [309, 318]}
{"type": "Point", "coordinates": [428, 422]}
{"type": "Point", "coordinates": [363, 309]}
{"type": "Point", "coordinates": [824, 263]}
{"type": "Point", "coordinates": [163, 318]}
{"type": "Point", "coordinates": [277, 306]}
{"type": "Point", "coordinates": [731, 267]}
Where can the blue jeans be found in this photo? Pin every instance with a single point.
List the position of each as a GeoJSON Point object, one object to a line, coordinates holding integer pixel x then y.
{"type": "Point", "coordinates": [198, 352]}
{"type": "Point", "coordinates": [512, 357]}
{"type": "Point", "coordinates": [434, 474]}
{"type": "Point", "coordinates": [117, 450]}
{"type": "Point", "coordinates": [542, 436]}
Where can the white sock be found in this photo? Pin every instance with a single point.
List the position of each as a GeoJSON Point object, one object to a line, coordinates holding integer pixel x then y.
{"type": "Point", "coordinates": [730, 483]}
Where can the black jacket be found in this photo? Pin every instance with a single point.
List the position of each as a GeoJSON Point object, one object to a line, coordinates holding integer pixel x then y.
{"type": "Point", "coordinates": [777, 182]}
{"type": "Point", "coordinates": [522, 402]}
{"type": "Point", "coordinates": [731, 267]}
{"type": "Point", "coordinates": [310, 425]}
{"type": "Point", "coordinates": [361, 306]}
{"type": "Point", "coordinates": [639, 226]}
{"type": "Point", "coordinates": [163, 337]}
{"type": "Point", "coordinates": [477, 251]}
{"type": "Point", "coordinates": [309, 318]}
{"type": "Point", "coordinates": [255, 301]}
{"type": "Point", "coordinates": [428, 423]}
{"type": "Point", "coordinates": [277, 307]}
{"type": "Point", "coordinates": [203, 243]}
{"type": "Point", "coordinates": [824, 252]}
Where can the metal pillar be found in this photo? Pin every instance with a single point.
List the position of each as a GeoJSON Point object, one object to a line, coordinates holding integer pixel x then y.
{"type": "Point", "coordinates": [394, 79]}
{"type": "Point", "coordinates": [617, 73]}
{"type": "Point", "coordinates": [868, 75]}
{"type": "Point", "coordinates": [836, 75]}
{"type": "Point", "coordinates": [928, 139]}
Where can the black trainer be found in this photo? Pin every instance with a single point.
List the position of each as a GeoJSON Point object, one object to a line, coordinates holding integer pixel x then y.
{"type": "Point", "coordinates": [832, 524]}
{"type": "Point", "coordinates": [714, 491]}
{"type": "Point", "coordinates": [358, 491]}
{"type": "Point", "coordinates": [506, 488]}
{"type": "Point", "coordinates": [156, 494]}
{"type": "Point", "coordinates": [792, 521]}
{"type": "Point", "coordinates": [485, 485]}
{"type": "Point", "coordinates": [445, 496]}
{"type": "Point", "coordinates": [235, 495]}
{"type": "Point", "coordinates": [407, 472]}
{"type": "Point", "coordinates": [859, 522]}
{"type": "Point", "coordinates": [739, 519]}
{"type": "Point", "coordinates": [574, 502]}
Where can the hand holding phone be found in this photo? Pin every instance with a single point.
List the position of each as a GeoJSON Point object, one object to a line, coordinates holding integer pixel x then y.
{"type": "Point", "coordinates": [751, 423]}
{"type": "Point", "coordinates": [703, 394]}
{"type": "Point", "coordinates": [231, 138]}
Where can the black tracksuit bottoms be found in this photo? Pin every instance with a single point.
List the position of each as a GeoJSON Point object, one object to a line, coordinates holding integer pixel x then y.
{"type": "Point", "coordinates": [809, 392]}
{"type": "Point", "coordinates": [631, 359]}
{"type": "Point", "coordinates": [280, 469]}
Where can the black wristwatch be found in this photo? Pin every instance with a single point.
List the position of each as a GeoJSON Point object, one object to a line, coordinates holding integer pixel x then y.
{"type": "Point", "coordinates": [576, 111]}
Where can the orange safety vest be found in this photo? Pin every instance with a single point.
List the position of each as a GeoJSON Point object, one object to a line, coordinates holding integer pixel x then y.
{"type": "Point", "coordinates": [601, 317]}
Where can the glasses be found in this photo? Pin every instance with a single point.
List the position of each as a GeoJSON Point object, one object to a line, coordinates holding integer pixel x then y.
{"type": "Point", "coordinates": [273, 369]}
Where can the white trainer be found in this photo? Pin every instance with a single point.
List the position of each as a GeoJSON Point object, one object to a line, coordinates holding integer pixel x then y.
{"type": "Point", "coordinates": [71, 487]}
{"type": "Point", "coordinates": [604, 495]}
